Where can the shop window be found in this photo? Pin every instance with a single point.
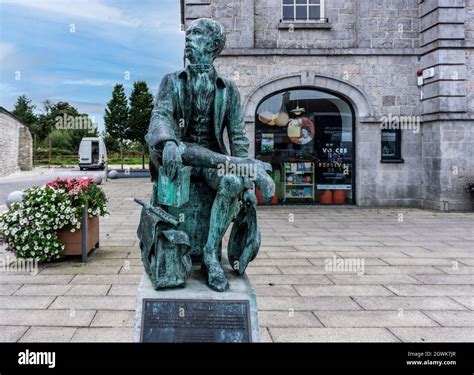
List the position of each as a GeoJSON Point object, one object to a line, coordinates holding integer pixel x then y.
{"type": "Point", "coordinates": [391, 146]}
{"type": "Point", "coordinates": [307, 136]}
{"type": "Point", "coordinates": [302, 10]}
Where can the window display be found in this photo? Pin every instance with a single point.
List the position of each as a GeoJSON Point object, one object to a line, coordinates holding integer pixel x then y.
{"type": "Point", "coordinates": [307, 126]}
{"type": "Point", "coordinates": [391, 146]}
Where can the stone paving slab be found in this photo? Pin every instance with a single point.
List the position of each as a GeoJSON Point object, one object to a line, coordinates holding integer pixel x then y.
{"type": "Point", "coordinates": [452, 318]}
{"type": "Point", "coordinates": [95, 302]}
{"type": "Point", "coordinates": [408, 303]}
{"type": "Point", "coordinates": [434, 334]}
{"type": "Point", "coordinates": [48, 334]}
{"type": "Point", "coordinates": [392, 318]}
{"type": "Point", "coordinates": [113, 319]}
{"type": "Point", "coordinates": [332, 335]}
{"type": "Point", "coordinates": [36, 317]}
{"type": "Point", "coordinates": [467, 301]}
{"type": "Point", "coordinates": [102, 334]}
{"type": "Point", "coordinates": [11, 333]}
{"type": "Point", "coordinates": [25, 302]}
{"type": "Point", "coordinates": [417, 282]}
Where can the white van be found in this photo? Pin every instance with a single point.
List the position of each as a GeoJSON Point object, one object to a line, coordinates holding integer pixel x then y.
{"type": "Point", "coordinates": [92, 153]}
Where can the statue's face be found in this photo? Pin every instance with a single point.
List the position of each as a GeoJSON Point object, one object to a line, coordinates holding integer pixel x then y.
{"type": "Point", "coordinates": [201, 44]}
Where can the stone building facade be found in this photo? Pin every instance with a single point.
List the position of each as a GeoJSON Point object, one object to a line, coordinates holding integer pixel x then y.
{"type": "Point", "coordinates": [16, 144]}
{"type": "Point", "coordinates": [368, 53]}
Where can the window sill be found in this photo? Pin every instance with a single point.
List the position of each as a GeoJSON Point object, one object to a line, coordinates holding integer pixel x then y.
{"type": "Point", "coordinates": [392, 161]}
{"type": "Point", "coordinates": [318, 25]}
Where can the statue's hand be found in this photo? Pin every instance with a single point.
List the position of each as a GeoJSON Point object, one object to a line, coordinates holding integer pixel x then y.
{"type": "Point", "coordinates": [249, 198]}
{"type": "Point", "coordinates": [172, 161]}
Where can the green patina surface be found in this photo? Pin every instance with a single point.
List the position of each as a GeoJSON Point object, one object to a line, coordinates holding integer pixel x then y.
{"type": "Point", "coordinates": [193, 109]}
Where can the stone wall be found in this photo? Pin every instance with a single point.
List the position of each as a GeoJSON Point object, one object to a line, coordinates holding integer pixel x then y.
{"type": "Point", "coordinates": [15, 145]}
{"type": "Point", "coordinates": [390, 88]}
{"type": "Point", "coordinates": [25, 149]}
{"type": "Point", "coordinates": [370, 51]}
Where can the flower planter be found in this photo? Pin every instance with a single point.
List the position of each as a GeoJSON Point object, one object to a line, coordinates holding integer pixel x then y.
{"type": "Point", "coordinates": [73, 240]}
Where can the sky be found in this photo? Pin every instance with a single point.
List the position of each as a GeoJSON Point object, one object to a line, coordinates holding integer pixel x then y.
{"type": "Point", "coordinates": [77, 50]}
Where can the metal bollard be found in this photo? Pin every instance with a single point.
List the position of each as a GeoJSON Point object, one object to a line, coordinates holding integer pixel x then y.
{"type": "Point", "coordinates": [84, 233]}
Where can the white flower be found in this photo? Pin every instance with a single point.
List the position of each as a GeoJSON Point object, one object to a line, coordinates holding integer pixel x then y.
{"type": "Point", "coordinates": [73, 230]}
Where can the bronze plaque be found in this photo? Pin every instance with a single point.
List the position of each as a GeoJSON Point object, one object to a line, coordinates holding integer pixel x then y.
{"type": "Point", "coordinates": [195, 321]}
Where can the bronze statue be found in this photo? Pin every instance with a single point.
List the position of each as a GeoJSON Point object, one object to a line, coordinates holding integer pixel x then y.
{"type": "Point", "coordinates": [196, 181]}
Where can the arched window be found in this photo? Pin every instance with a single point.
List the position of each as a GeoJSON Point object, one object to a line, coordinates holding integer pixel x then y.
{"type": "Point", "coordinates": [307, 136]}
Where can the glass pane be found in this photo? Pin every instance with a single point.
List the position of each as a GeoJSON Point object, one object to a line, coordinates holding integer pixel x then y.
{"type": "Point", "coordinates": [288, 13]}
{"type": "Point", "coordinates": [389, 144]}
{"type": "Point", "coordinates": [314, 12]}
{"type": "Point", "coordinates": [315, 2]}
{"type": "Point", "coordinates": [307, 126]}
{"type": "Point", "coordinates": [301, 12]}
{"type": "Point", "coordinates": [301, 2]}
{"type": "Point", "coordinates": [288, 1]}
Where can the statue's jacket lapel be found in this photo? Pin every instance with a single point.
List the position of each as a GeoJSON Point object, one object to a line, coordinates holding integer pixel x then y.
{"type": "Point", "coordinates": [185, 99]}
{"type": "Point", "coordinates": [172, 112]}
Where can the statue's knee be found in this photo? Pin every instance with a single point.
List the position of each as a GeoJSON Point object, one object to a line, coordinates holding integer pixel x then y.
{"type": "Point", "coordinates": [231, 185]}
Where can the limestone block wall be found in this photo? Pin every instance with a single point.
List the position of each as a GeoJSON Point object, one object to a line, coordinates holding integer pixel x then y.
{"type": "Point", "coordinates": [369, 52]}
{"type": "Point", "coordinates": [389, 86]}
{"type": "Point", "coordinates": [16, 146]}
{"type": "Point", "coordinates": [9, 141]}
{"type": "Point", "coordinates": [446, 46]}
{"type": "Point", "coordinates": [25, 149]}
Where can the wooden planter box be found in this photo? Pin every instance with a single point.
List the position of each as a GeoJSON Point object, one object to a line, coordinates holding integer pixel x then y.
{"type": "Point", "coordinates": [73, 240]}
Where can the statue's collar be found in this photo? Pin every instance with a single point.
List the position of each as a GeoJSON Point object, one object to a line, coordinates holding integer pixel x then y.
{"type": "Point", "coordinates": [185, 73]}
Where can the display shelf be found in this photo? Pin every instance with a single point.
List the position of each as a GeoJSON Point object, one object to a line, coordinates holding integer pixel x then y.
{"type": "Point", "coordinates": [298, 181]}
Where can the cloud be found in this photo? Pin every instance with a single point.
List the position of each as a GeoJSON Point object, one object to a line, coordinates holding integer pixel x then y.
{"type": "Point", "coordinates": [89, 82]}
{"type": "Point", "coordinates": [93, 10]}
{"type": "Point", "coordinates": [6, 49]}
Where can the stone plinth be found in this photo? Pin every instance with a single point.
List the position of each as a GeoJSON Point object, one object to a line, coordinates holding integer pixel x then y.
{"type": "Point", "coordinates": [196, 290]}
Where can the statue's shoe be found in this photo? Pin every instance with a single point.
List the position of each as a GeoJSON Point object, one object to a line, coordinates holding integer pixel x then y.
{"type": "Point", "coordinates": [215, 277]}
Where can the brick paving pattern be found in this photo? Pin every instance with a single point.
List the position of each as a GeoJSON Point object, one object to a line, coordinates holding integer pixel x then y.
{"type": "Point", "coordinates": [417, 282]}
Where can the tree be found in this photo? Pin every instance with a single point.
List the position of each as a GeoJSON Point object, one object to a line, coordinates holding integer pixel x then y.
{"type": "Point", "coordinates": [24, 111]}
{"type": "Point", "coordinates": [116, 117]}
{"type": "Point", "coordinates": [110, 142]}
{"type": "Point", "coordinates": [141, 105]}
{"type": "Point", "coordinates": [66, 118]}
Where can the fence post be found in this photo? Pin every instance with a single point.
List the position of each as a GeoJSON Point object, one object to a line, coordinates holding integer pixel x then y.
{"type": "Point", "coordinates": [84, 232]}
{"type": "Point", "coordinates": [49, 152]}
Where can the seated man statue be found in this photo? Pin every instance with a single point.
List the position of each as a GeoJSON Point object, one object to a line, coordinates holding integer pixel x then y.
{"type": "Point", "coordinates": [192, 109]}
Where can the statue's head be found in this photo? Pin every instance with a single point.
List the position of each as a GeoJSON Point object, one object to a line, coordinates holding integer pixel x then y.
{"type": "Point", "coordinates": [205, 40]}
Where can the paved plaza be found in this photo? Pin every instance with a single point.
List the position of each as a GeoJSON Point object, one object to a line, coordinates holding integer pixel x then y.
{"type": "Point", "coordinates": [323, 274]}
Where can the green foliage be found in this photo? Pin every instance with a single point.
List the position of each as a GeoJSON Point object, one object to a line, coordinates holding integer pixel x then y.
{"type": "Point", "coordinates": [141, 105]}
{"type": "Point", "coordinates": [111, 143]}
{"type": "Point", "coordinates": [61, 140]}
{"type": "Point", "coordinates": [116, 115]}
{"type": "Point", "coordinates": [31, 227]}
{"type": "Point", "coordinates": [23, 110]}
{"type": "Point", "coordinates": [67, 119]}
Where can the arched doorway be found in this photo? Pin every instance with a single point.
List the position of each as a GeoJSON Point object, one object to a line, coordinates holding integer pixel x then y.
{"type": "Point", "coordinates": [308, 135]}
